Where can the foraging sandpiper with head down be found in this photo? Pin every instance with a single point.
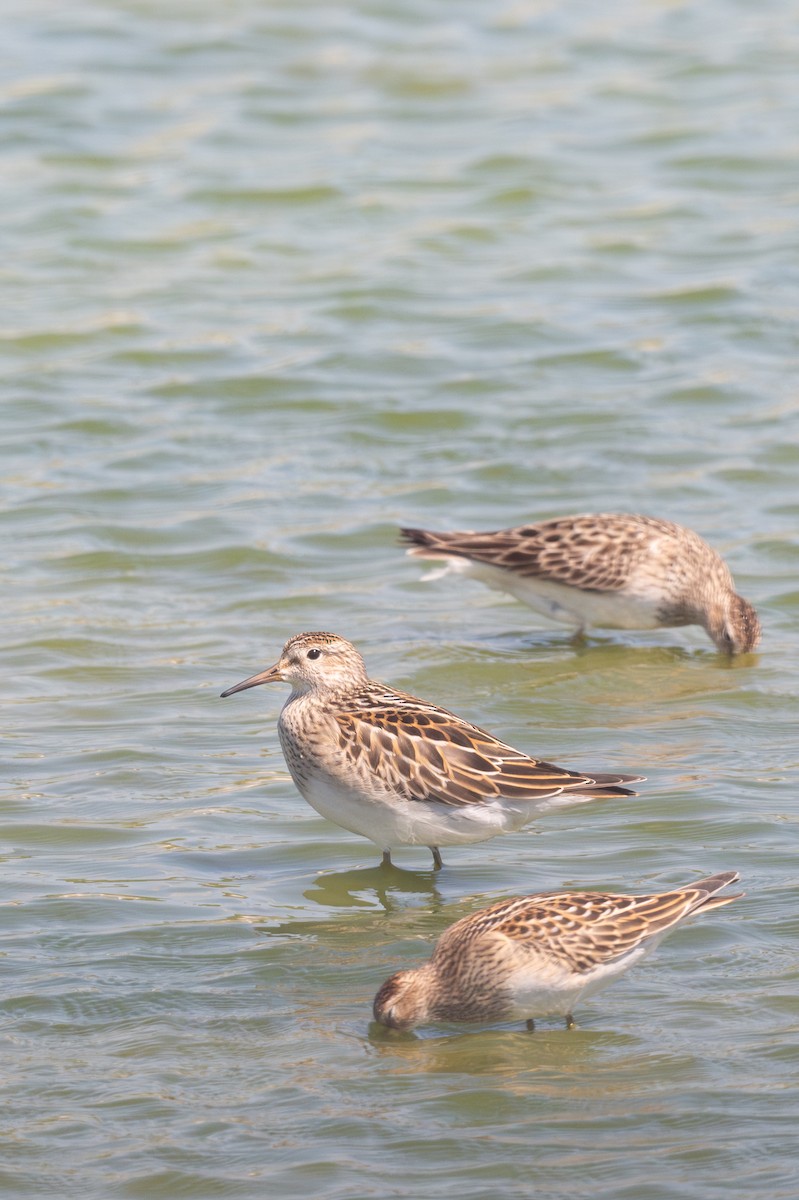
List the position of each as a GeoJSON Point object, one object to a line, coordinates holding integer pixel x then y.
{"type": "Point", "coordinates": [606, 570]}
{"type": "Point", "coordinates": [536, 956]}
{"type": "Point", "coordinates": [402, 771]}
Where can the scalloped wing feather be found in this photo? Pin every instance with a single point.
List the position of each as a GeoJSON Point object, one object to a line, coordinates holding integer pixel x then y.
{"type": "Point", "coordinates": [426, 753]}
{"type": "Point", "coordinates": [595, 552]}
{"type": "Point", "coordinates": [584, 930]}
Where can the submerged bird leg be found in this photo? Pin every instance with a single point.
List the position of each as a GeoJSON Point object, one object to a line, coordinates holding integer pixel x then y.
{"type": "Point", "coordinates": [570, 1021]}
{"type": "Point", "coordinates": [530, 1025]}
{"type": "Point", "coordinates": [438, 862]}
{"type": "Point", "coordinates": [386, 859]}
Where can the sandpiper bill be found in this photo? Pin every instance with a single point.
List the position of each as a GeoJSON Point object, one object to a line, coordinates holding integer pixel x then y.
{"type": "Point", "coordinates": [402, 771]}
{"type": "Point", "coordinates": [536, 956]}
{"type": "Point", "coordinates": [606, 570]}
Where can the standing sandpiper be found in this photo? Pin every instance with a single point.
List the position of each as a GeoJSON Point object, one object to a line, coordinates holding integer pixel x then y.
{"type": "Point", "coordinates": [402, 771]}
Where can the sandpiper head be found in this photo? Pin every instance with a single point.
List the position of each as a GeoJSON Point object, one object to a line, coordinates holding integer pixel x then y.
{"type": "Point", "coordinates": [312, 662]}
{"type": "Point", "coordinates": [734, 626]}
{"type": "Point", "coordinates": [403, 1000]}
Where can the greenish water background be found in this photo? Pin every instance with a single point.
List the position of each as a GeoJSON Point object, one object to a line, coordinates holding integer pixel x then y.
{"type": "Point", "coordinates": [276, 279]}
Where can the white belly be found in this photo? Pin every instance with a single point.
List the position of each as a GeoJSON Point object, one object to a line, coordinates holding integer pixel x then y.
{"type": "Point", "coordinates": [559, 602]}
{"type": "Point", "coordinates": [542, 990]}
{"type": "Point", "coordinates": [392, 822]}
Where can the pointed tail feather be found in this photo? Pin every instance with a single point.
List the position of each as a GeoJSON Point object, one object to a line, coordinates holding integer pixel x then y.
{"type": "Point", "coordinates": [713, 884]}
{"type": "Point", "coordinates": [604, 792]}
{"type": "Point", "coordinates": [604, 785]}
{"type": "Point", "coordinates": [424, 543]}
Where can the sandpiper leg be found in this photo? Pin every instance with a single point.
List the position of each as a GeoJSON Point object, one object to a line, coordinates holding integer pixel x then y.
{"type": "Point", "coordinates": [386, 860]}
{"type": "Point", "coordinates": [530, 1024]}
{"type": "Point", "coordinates": [437, 859]}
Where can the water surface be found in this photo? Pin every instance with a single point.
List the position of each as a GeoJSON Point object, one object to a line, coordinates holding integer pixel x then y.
{"type": "Point", "coordinates": [279, 278]}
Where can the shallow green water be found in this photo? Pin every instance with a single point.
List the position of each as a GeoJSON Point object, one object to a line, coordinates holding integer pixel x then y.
{"type": "Point", "coordinates": [277, 279]}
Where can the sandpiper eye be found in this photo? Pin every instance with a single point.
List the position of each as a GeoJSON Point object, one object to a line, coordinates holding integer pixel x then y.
{"type": "Point", "coordinates": [315, 652]}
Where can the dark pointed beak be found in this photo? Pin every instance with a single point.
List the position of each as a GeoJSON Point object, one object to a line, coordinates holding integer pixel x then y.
{"type": "Point", "coordinates": [270, 675]}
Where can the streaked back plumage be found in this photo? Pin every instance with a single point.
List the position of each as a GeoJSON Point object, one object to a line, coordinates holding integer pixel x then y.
{"type": "Point", "coordinates": [612, 570]}
{"type": "Point", "coordinates": [536, 955]}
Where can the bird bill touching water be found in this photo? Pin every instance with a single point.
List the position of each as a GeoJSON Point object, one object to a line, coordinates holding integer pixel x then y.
{"type": "Point", "coordinates": [537, 956]}
{"type": "Point", "coordinates": [606, 570]}
{"type": "Point", "coordinates": [403, 771]}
